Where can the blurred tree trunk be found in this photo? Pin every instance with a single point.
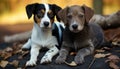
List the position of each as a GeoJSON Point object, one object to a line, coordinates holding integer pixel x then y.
{"type": "Point", "coordinates": [98, 6]}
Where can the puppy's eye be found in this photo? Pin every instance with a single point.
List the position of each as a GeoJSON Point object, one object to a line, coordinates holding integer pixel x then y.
{"type": "Point", "coordinates": [50, 15]}
{"type": "Point", "coordinates": [40, 15]}
{"type": "Point", "coordinates": [69, 16]}
{"type": "Point", "coordinates": [80, 16]}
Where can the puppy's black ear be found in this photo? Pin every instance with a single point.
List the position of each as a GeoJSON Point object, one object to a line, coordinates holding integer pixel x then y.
{"type": "Point", "coordinates": [63, 15]}
{"type": "Point", "coordinates": [30, 8]}
{"type": "Point", "coordinates": [56, 10]}
{"type": "Point", "coordinates": [88, 12]}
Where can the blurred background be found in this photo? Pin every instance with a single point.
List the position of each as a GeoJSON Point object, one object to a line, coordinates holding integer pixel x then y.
{"type": "Point", "coordinates": [13, 17]}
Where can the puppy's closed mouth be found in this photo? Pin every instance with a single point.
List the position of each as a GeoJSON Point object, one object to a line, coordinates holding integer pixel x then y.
{"type": "Point", "coordinates": [75, 30]}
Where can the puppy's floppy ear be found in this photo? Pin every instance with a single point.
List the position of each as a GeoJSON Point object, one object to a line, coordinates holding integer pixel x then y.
{"type": "Point", "coordinates": [56, 10]}
{"type": "Point", "coordinates": [88, 12]}
{"type": "Point", "coordinates": [63, 14]}
{"type": "Point", "coordinates": [30, 8]}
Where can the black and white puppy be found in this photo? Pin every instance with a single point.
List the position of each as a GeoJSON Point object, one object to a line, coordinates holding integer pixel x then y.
{"type": "Point", "coordinates": [43, 33]}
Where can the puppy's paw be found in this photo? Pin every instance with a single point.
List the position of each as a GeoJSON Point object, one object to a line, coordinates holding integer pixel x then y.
{"type": "Point", "coordinates": [60, 59]}
{"type": "Point", "coordinates": [79, 59]}
{"type": "Point", "coordinates": [26, 47]}
{"type": "Point", "coordinates": [46, 59]}
{"type": "Point", "coordinates": [31, 63]}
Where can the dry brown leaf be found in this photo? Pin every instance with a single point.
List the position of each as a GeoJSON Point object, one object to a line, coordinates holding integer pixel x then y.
{"type": "Point", "coordinates": [106, 48]}
{"type": "Point", "coordinates": [8, 49]}
{"type": "Point", "coordinates": [100, 55]}
{"type": "Point", "coordinates": [5, 54]}
{"type": "Point", "coordinates": [3, 63]}
{"type": "Point", "coordinates": [71, 64]}
{"type": "Point", "coordinates": [113, 65]}
{"type": "Point", "coordinates": [73, 53]}
{"type": "Point", "coordinates": [112, 60]}
{"type": "Point", "coordinates": [114, 57]}
{"type": "Point", "coordinates": [23, 54]}
{"type": "Point", "coordinates": [100, 50]}
{"type": "Point", "coordinates": [15, 63]}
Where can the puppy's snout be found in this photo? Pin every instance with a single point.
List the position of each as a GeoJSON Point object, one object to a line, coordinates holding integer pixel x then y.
{"type": "Point", "coordinates": [74, 26]}
{"type": "Point", "coordinates": [46, 24]}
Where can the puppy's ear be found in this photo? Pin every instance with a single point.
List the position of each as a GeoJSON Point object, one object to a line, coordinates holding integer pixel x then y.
{"type": "Point", "coordinates": [30, 9]}
{"type": "Point", "coordinates": [88, 12]}
{"type": "Point", "coordinates": [56, 10]}
{"type": "Point", "coordinates": [63, 15]}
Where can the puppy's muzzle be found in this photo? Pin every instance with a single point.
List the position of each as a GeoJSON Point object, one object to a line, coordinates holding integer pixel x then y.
{"type": "Point", "coordinates": [74, 26]}
{"type": "Point", "coordinates": [46, 24]}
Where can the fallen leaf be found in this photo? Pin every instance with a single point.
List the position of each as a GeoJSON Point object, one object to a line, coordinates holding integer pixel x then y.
{"type": "Point", "coordinates": [3, 63]}
{"type": "Point", "coordinates": [23, 53]}
{"type": "Point", "coordinates": [113, 65]}
{"type": "Point", "coordinates": [71, 64]}
{"type": "Point", "coordinates": [100, 50]}
{"type": "Point", "coordinates": [73, 53]}
{"type": "Point", "coordinates": [5, 54]}
{"type": "Point", "coordinates": [100, 55]}
{"type": "Point", "coordinates": [106, 48]}
{"type": "Point", "coordinates": [14, 63]}
{"type": "Point", "coordinates": [113, 60]}
{"type": "Point", "coordinates": [8, 49]}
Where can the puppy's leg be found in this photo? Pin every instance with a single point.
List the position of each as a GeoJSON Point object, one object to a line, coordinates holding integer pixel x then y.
{"type": "Point", "coordinates": [79, 58]}
{"type": "Point", "coordinates": [27, 45]}
{"type": "Point", "coordinates": [62, 56]}
{"type": "Point", "coordinates": [33, 55]}
{"type": "Point", "coordinates": [49, 55]}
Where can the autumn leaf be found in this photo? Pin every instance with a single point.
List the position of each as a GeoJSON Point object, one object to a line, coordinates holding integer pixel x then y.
{"type": "Point", "coordinates": [3, 63]}
{"type": "Point", "coordinates": [100, 50]}
{"type": "Point", "coordinates": [8, 49]}
{"type": "Point", "coordinates": [113, 65]}
{"type": "Point", "coordinates": [71, 64]}
{"type": "Point", "coordinates": [15, 63]}
{"type": "Point", "coordinates": [113, 60]}
{"type": "Point", "coordinates": [73, 53]}
{"type": "Point", "coordinates": [100, 55]}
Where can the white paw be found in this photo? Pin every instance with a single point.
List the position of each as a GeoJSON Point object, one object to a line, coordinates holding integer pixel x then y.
{"type": "Point", "coordinates": [46, 59]}
{"type": "Point", "coordinates": [31, 63]}
{"type": "Point", "coordinates": [27, 45]}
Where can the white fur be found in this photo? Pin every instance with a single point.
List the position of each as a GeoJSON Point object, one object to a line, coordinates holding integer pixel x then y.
{"type": "Point", "coordinates": [42, 38]}
{"type": "Point", "coordinates": [45, 18]}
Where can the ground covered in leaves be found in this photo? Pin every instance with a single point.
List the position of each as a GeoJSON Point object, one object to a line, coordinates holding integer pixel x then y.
{"type": "Point", "coordinates": [12, 57]}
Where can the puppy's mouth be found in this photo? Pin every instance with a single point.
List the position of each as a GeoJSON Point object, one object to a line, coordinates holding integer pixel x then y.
{"type": "Point", "coordinates": [75, 28]}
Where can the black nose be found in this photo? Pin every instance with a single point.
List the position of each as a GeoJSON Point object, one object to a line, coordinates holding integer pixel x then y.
{"type": "Point", "coordinates": [46, 24]}
{"type": "Point", "coordinates": [74, 26]}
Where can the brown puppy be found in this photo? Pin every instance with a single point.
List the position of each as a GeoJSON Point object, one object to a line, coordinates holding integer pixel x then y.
{"type": "Point", "coordinates": [79, 35]}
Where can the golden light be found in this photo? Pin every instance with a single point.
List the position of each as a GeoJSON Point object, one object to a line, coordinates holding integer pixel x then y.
{"type": "Point", "coordinates": [18, 13]}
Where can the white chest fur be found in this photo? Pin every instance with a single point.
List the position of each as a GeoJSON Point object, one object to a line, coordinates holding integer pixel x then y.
{"type": "Point", "coordinates": [42, 37]}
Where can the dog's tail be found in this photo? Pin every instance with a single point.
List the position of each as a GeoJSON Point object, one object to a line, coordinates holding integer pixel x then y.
{"type": "Point", "coordinates": [17, 37]}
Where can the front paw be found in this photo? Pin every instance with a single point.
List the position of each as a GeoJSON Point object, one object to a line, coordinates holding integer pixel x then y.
{"type": "Point", "coordinates": [31, 63]}
{"type": "Point", "coordinates": [79, 59]}
{"type": "Point", "coordinates": [60, 59]}
{"type": "Point", "coordinates": [46, 59]}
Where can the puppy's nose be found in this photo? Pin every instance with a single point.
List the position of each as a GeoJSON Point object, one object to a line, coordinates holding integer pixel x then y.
{"type": "Point", "coordinates": [46, 24]}
{"type": "Point", "coordinates": [74, 26]}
